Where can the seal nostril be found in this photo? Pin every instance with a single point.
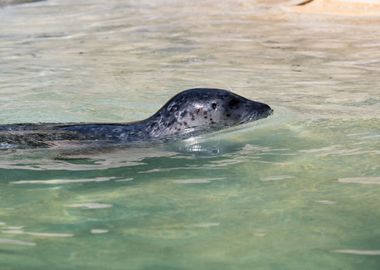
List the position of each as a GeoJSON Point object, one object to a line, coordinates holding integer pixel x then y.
{"type": "Point", "coordinates": [262, 109]}
{"type": "Point", "coordinates": [265, 108]}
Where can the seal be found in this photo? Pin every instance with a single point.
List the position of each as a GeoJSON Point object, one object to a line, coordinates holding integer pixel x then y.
{"type": "Point", "coordinates": [190, 113]}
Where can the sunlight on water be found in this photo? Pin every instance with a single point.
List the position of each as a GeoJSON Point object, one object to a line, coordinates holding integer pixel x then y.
{"type": "Point", "coordinates": [299, 190]}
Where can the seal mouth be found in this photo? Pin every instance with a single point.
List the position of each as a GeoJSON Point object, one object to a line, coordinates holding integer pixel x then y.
{"type": "Point", "coordinates": [269, 112]}
{"type": "Point", "coordinates": [263, 112]}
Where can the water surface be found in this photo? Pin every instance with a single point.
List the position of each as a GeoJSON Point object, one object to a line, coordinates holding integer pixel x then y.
{"type": "Point", "coordinates": [299, 190]}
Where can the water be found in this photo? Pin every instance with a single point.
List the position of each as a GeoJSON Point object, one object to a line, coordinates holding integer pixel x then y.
{"type": "Point", "coordinates": [299, 190]}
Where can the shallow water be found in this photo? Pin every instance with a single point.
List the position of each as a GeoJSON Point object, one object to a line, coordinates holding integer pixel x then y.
{"type": "Point", "coordinates": [299, 190]}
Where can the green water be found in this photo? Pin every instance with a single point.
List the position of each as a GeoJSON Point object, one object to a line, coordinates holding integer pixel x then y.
{"type": "Point", "coordinates": [299, 190]}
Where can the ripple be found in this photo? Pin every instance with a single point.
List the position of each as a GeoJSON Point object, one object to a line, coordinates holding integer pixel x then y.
{"type": "Point", "coordinates": [39, 234]}
{"type": "Point", "coordinates": [375, 136]}
{"type": "Point", "coordinates": [206, 224]}
{"type": "Point", "coordinates": [16, 242]}
{"type": "Point", "coordinates": [358, 252]}
{"type": "Point", "coordinates": [338, 150]}
{"type": "Point", "coordinates": [63, 181]}
{"type": "Point", "coordinates": [276, 177]}
{"type": "Point", "coordinates": [161, 233]}
{"type": "Point", "coordinates": [197, 180]}
{"type": "Point", "coordinates": [54, 235]}
{"type": "Point", "coordinates": [124, 180]}
{"type": "Point", "coordinates": [326, 202]}
{"type": "Point", "coordinates": [99, 231]}
{"type": "Point", "coordinates": [375, 180]}
{"type": "Point", "coordinates": [90, 205]}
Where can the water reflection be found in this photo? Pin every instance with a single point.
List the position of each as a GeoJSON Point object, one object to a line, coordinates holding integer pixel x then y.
{"type": "Point", "coordinates": [303, 184]}
{"type": "Point", "coordinates": [17, 2]}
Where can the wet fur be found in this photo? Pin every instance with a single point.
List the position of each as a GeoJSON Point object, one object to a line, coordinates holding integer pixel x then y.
{"type": "Point", "coordinates": [189, 113]}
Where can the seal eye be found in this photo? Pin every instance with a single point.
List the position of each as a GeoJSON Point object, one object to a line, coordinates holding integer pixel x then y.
{"type": "Point", "coordinates": [234, 104]}
{"type": "Point", "coordinates": [213, 106]}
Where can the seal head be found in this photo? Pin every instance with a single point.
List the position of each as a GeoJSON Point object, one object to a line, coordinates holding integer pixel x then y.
{"type": "Point", "coordinates": [205, 109]}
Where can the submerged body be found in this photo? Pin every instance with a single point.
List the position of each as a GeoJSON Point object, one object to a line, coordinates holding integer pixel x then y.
{"type": "Point", "coordinates": [189, 113]}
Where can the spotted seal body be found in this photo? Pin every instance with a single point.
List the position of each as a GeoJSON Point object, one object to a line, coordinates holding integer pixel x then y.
{"type": "Point", "coordinates": [189, 113]}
